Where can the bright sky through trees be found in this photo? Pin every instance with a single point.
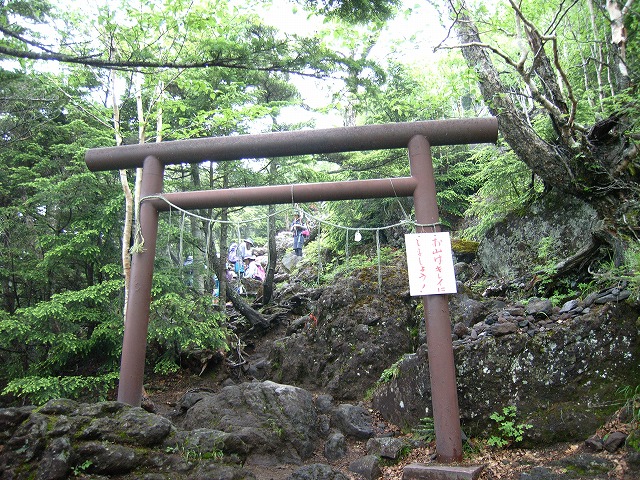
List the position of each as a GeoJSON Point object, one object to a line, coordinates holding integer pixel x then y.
{"type": "Point", "coordinates": [410, 37]}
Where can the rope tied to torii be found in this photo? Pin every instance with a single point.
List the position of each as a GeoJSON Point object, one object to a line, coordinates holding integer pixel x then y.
{"type": "Point", "coordinates": [406, 222]}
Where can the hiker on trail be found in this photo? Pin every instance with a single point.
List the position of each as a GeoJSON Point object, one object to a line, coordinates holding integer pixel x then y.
{"type": "Point", "coordinates": [245, 248]}
{"type": "Point", "coordinates": [253, 278]}
{"type": "Point", "coordinates": [237, 253]}
{"type": "Point", "coordinates": [250, 267]}
{"type": "Point", "coordinates": [298, 228]}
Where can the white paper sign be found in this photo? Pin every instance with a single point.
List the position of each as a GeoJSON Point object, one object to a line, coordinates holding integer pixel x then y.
{"type": "Point", "coordinates": [430, 263]}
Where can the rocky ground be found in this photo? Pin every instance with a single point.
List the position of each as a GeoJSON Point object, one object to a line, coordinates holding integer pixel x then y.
{"type": "Point", "coordinates": [561, 461]}
{"type": "Point", "coordinates": [558, 461]}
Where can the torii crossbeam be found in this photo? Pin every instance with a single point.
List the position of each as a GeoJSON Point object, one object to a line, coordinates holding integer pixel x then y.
{"type": "Point", "coordinates": [417, 137]}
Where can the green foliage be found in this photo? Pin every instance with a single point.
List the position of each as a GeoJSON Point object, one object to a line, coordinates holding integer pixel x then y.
{"type": "Point", "coordinates": [180, 323]}
{"type": "Point", "coordinates": [625, 105]}
{"type": "Point", "coordinates": [165, 366]}
{"type": "Point", "coordinates": [547, 248]}
{"type": "Point", "coordinates": [39, 390]}
{"type": "Point", "coordinates": [355, 11]}
{"type": "Point", "coordinates": [509, 431]}
{"type": "Point", "coordinates": [627, 274]}
{"type": "Point", "coordinates": [83, 467]}
{"type": "Point", "coordinates": [339, 266]}
{"type": "Point", "coordinates": [66, 325]}
{"type": "Point", "coordinates": [197, 452]}
{"type": "Point", "coordinates": [390, 373]}
{"type": "Point", "coordinates": [544, 127]}
{"type": "Point", "coordinates": [275, 428]}
{"type": "Point", "coordinates": [547, 258]}
{"type": "Point", "coordinates": [425, 431]}
{"type": "Point", "coordinates": [630, 270]}
{"type": "Point", "coordinates": [507, 184]}
{"type": "Point", "coordinates": [75, 331]}
{"type": "Point", "coordinates": [361, 214]}
{"type": "Point", "coordinates": [631, 396]}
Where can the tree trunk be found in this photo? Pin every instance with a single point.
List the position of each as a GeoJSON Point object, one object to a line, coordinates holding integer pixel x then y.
{"type": "Point", "coordinates": [273, 254]}
{"type": "Point", "coordinates": [221, 266]}
{"type": "Point", "coordinates": [128, 203]}
{"type": "Point", "coordinates": [587, 163]}
{"type": "Point", "coordinates": [137, 77]}
{"type": "Point", "coordinates": [197, 233]}
{"type": "Point", "coordinates": [541, 156]}
{"type": "Point", "coordinates": [254, 317]}
{"type": "Point", "coordinates": [617, 14]}
{"type": "Point", "coordinates": [597, 53]}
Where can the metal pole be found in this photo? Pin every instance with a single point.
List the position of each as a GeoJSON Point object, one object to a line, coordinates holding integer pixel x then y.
{"type": "Point", "coordinates": [134, 344]}
{"type": "Point", "coordinates": [444, 395]}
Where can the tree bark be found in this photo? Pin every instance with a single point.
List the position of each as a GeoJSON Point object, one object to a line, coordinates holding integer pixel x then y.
{"type": "Point", "coordinates": [197, 232]}
{"type": "Point", "coordinates": [617, 14]}
{"type": "Point", "coordinates": [597, 53]}
{"type": "Point", "coordinates": [272, 257]}
{"type": "Point", "coordinates": [541, 156]}
{"type": "Point", "coordinates": [128, 202]}
{"type": "Point", "coordinates": [272, 253]}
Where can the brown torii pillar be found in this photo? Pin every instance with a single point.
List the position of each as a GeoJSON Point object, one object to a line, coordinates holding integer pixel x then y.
{"type": "Point", "coordinates": [418, 137]}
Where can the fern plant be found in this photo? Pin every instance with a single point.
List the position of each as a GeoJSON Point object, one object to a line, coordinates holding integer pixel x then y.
{"type": "Point", "coordinates": [425, 431]}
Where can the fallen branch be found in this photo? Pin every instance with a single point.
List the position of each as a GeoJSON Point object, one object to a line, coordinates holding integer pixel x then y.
{"type": "Point", "coordinates": [254, 317]}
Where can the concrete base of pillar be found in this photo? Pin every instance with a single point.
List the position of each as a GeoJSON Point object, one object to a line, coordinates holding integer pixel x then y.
{"type": "Point", "coordinates": [423, 471]}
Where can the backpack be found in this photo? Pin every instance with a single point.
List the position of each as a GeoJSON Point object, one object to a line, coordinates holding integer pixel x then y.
{"type": "Point", "coordinates": [232, 256]}
{"type": "Point", "coordinates": [261, 273]}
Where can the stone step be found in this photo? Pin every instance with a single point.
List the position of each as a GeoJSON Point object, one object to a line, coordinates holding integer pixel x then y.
{"type": "Point", "coordinates": [423, 471]}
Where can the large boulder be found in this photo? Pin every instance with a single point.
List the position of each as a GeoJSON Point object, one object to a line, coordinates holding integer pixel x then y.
{"type": "Point", "coordinates": [357, 329]}
{"type": "Point", "coordinates": [522, 243]}
{"type": "Point", "coordinates": [277, 423]}
{"type": "Point", "coordinates": [64, 438]}
{"type": "Point", "coordinates": [225, 435]}
{"type": "Point", "coordinates": [561, 373]}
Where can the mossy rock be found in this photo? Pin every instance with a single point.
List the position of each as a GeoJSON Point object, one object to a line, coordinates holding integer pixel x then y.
{"type": "Point", "coordinates": [563, 422]}
{"type": "Point", "coordinates": [464, 250]}
{"type": "Point", "coordinates": [464, 246]}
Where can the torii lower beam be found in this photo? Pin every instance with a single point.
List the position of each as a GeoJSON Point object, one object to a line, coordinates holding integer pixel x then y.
{"type": "Point", "coordinates": [418, 137]}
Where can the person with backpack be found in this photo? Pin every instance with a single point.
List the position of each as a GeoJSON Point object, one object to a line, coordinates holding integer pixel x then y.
{"type": "Point", "coordinates": [237, 253]}
{"type": "Point", "coordinates": [245, 248]}
{"type": "Point", "coordinates": [234, 260]}
{"type": "Point", "coordinates": [298, 228]}
{"type": "Point", "coordinates": [262, 274]}
{"type": "Point", "coordinates": [252, 281]}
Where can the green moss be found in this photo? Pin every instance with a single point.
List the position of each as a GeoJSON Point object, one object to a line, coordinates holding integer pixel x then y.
{"type": "Point", "coordinates": [567, 421]}
{"type": "Point", "coordinates": [587, 470]}
{"type": "Point", "coordinates": [633, 440]}
{"type": "Point", "coordinates": [464, 246]}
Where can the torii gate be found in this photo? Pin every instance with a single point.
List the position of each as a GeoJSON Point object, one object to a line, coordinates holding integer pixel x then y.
{"type": "Point", "coordinates": [417, 137]}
